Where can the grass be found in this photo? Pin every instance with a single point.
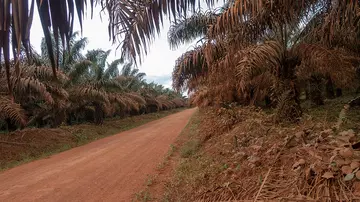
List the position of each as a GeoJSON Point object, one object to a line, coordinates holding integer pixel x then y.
{"type": "Point", "coordinates": [190, 148]}
{"type": "Point", "coordinates": [145, 194]}
{"type": "Point", "coordinates": [75, 136]}
{"type": "Point", "coordinates": [193, 165]}
{"type": "Point", "coordinates": [175, 151]}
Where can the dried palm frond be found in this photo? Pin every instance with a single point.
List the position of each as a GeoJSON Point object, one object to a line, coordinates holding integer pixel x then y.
{"type": "Point", "coordinates": [58, 92]}
{"type": "Point", "coordinates": [152, 101]}
{"type": "Point", "coordinates": [178, 102]}
{"type": "Point", "coordinates": [320, 60]}
{"type": "Point", "coordinates": [25, 85]}
{"type": "Point", "coordinates": [12, 111]}
{"type": "Point", "coordinates": [259, 59]}
{"type": "Point", "coordinates": [189, 66]}
{"type": "Point", "coordinates": [137, 22]}
{"type": "Point", "coordinates": [137, 98]}
{"type": "Point", "coordinates": [202, 97]}
{"type": "Point", "coordinates": [88, 92]}
{"type": "Point", "coordinates": [43, 73]}
{"type": "Point", "coordinates": [252, 18]}
{"type": "Point", "coordinates": [118, 99]}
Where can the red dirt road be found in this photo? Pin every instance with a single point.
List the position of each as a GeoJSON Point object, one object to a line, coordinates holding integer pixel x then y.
{"type": "Point", "coordinates": [110, 169]}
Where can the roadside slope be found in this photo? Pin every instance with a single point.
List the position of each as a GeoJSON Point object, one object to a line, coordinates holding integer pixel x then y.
{"type": "Point", "coordinates": [110, 169]}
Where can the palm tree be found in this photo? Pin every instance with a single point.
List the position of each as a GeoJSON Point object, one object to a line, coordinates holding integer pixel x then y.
{"type": "Point", "coordinates": [271, 45]}
{"type": "Point", "coordinates": [70, 56]}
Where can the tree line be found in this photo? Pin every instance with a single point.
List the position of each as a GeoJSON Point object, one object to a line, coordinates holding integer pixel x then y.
{"type": "Point", "coordinates": [87, 88]}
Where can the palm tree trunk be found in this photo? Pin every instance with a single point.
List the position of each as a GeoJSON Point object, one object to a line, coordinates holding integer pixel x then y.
{"type": "Point", "coordinates": [339, 92]}
{"type": "Point", "coordinates": [316, 91]}
{"type": "Point", "coordinates": [99, 114]}
{"type": "Point", "coordinates": [330, 92]}
{"type": "Point", "coordinates": [288, 109]}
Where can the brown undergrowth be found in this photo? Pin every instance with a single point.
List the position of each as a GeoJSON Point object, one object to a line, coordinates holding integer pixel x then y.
{"type": "Point", "coordinates": [244, 155]}
{"type": "Point", "coordinates": [33, 143]}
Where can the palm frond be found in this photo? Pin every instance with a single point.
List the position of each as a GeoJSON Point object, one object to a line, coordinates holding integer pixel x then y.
{"type": "Point", "coordinates": [328, 63]}
{"type": "Point", "coordinates": [137, 98]}
{"type": "Point", "coordinates": [188, 66]}
{"type": "Point", "coordinates": [43, 73]}
{"type": "Point", "coordinates": [78, 70]}
{"type": "Point", "coordinates": [12, 111]}
{"type": "Point", "coordinates": [137, 23]}
{"type": "Point", "coordinates": [88, 92]}
{"type": "Point", "coordinates": [112, 69]}
{"type": "Point", "coordinates": [30, 84]}
{"type": "Point", "coordinates": [259, 59]}
{"type": "Point", "coordinates": [126, 69]}
{"type": "Point", "coordinates": [185, 30]}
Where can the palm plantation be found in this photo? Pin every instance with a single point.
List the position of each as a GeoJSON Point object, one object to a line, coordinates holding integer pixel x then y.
{"type": "Point", "coordinates": [273, 55]}
{"type": "Point", "coordinates": [87, 88]}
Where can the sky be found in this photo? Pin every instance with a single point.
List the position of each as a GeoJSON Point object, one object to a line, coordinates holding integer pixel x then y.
{"type": "Point", "coordinates": [157, 65]}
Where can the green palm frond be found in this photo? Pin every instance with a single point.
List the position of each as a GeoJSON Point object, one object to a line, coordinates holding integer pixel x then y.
{"type": "Point", "coordinates": [185, 30]}
{"type": "Point", "coordinates": [126, 69]}
{"type": "Point", "coordinates": [75, 51]}
{"type": "Point", "coordinates": [79, 70]}
{"type": "Point", "coordinates": [112, 69]}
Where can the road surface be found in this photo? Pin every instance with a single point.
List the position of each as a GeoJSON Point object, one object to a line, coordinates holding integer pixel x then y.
{"type": "Point", "coordinates": [110, 169]}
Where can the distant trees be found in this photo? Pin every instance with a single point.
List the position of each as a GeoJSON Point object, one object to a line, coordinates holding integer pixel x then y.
{"type": "Point", "coordinates": [87, 88]}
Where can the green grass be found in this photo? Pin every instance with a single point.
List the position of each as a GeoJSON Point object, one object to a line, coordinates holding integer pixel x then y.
{"type": "Point", "coordinates": [83, 134]}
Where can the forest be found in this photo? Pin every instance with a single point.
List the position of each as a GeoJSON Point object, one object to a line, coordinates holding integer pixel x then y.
{"type": "Point", "coordinates": [276, 82]}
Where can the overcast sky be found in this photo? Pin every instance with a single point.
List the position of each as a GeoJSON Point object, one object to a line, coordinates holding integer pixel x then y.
{"type": "Point", "coordinates": [157, 65]}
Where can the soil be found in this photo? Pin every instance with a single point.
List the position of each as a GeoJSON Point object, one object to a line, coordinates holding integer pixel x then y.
{"type": "Point", "coordinates": [110, 169]}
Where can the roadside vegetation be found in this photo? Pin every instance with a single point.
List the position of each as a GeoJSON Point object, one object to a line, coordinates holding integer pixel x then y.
{"type": "Point", "coordinates": [276, 81]}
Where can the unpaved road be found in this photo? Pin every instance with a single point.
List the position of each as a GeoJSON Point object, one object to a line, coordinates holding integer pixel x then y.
{"type": "Point", "coordinates": [110, 169]}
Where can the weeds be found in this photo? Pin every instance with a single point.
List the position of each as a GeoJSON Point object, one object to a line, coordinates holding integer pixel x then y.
{"type": "Point", "coordinates": [190, 148]}
{"type": "Point", "coordinates": [144, 195]}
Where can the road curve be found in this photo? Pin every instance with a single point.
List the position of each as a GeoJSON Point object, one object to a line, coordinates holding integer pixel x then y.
{"type": "Point", "coordinates": [110, 169]}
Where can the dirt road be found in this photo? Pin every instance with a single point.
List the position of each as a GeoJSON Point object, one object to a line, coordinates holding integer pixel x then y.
{"type": "Point", "coordinates": [110, 169]}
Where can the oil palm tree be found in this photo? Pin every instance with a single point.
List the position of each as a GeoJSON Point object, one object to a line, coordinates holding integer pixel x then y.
{"type": "Point", "coordinates": [272, 45]}
{"type": "Point", "coordinates": [69, 56]}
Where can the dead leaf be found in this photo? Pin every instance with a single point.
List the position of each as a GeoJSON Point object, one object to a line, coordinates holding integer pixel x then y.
{"type": "Point", "coordinates": [356, 188]}
{"type": "Point", "coordinates": [346, 153]}
{"type": "Point", "coordinates": [328, 175]}
{"type": "Point", "coordinates": [354, 164]}
{"type": "Point", "coordinates": [312, 153]}
{"type": "Point", "coordinates": [346, 169]}
{"type": "Point", "coordinates": [299, 134]}
{"type": "Point", "coordinates": [340, 162]}
{"type": "Point", "coordinates": [358, 175]}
